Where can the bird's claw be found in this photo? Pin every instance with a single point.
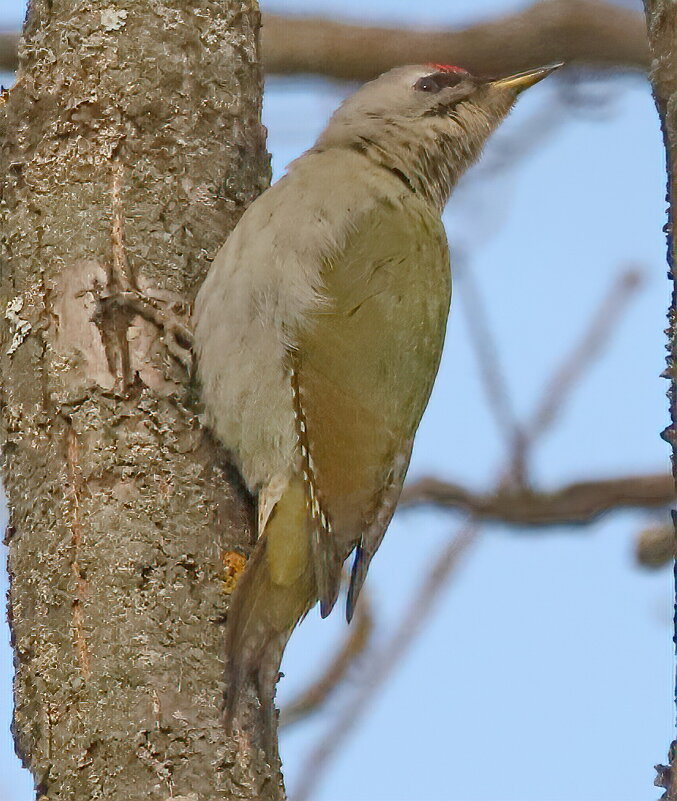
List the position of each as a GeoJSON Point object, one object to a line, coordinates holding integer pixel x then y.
{"type": "Point", "coordinates": [164, 314]}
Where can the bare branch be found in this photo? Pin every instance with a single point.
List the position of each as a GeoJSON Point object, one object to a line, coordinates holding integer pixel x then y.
{"type": "Point", "coordinates": [576, 504]}
{"type": "Point", "coordinates": [593, 340]}
{"type": "Point", "coordinates": [570, 372]}
{"type": "Point", "coordinates": [575, 31]}
{"type": "Point", "coordinates": [313, 697]}
{"type": "Point", "coordinates": [486, 353]}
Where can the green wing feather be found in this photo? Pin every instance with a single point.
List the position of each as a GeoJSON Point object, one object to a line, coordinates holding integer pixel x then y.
{"type": "Point", "coordinates": [366, 366]}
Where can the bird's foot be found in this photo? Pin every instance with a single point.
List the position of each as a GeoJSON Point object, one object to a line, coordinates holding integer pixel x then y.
{"type": "Point", "coordinates": [167, 312]}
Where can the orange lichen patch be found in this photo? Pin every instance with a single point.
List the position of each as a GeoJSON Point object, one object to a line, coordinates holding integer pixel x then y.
{"type": "Point", "coordinates": [234, 564]}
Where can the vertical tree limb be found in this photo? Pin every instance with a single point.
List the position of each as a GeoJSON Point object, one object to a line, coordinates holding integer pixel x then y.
{"type": "Point", "coordinates": [132, 143]}
{"type": "Point", "coordinates": [661, 16]}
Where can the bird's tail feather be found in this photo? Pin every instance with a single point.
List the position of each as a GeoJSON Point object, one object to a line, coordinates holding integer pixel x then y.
{"type": "Point", "coordinates": [357, 576]}
{"type": "Point", "coordinates": [275, 592]}
{"type": "Point", "coordinates": [326, 568]}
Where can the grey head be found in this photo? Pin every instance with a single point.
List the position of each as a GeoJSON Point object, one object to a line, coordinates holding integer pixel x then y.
{"type": "Point", "coordinates": [425, 123]}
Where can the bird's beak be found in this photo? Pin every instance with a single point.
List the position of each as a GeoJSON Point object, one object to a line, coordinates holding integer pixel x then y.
{"type": "Point", "coordinates": [523, 80]}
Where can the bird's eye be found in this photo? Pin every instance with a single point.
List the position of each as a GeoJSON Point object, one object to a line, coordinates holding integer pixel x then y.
{"type": "Point", "coordinates": [427, 84]}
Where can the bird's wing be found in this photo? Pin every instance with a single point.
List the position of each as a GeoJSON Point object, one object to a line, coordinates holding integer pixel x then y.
{"type": "Point", "coordinates": [364, 368]}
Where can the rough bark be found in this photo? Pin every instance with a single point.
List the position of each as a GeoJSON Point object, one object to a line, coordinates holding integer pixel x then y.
{"type": "Point", "coordinates": [661, 16]}
{"type": "Point", "coordinates": [584, 32]}
{"type": "Point", "coordinates": [132, 144]}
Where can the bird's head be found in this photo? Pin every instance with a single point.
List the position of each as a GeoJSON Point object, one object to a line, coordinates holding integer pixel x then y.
{"type": "Point", "coordinates": [428, 122]}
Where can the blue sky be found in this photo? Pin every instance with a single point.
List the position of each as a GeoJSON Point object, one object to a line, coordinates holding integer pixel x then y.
{"type": "Point", "coordinates": [548, 661]}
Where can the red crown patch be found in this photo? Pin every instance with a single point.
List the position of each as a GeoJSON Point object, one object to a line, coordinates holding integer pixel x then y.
{"type": "Point", "coordinates": [449, 68]}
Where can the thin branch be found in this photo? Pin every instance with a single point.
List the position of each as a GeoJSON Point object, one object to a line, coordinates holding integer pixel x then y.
{"type": "Point", "coordinates": [312, 698]}
{"type": "Point", "coordinates": [602, 325]}
{"type": "Point", "coordinates": [570, 372]}
{"type": "Point", "coordinates": [386, 660]}
{"type": "Point", "coordinates": [486, 353]}
{"type": "Point", "coordinates": [575, 31]}
{"type": "Point", "coordinates": [576, 504]}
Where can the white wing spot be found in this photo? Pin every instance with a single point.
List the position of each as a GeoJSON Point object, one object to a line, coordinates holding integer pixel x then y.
{"type": "Point", "coordinates": [312, 503]}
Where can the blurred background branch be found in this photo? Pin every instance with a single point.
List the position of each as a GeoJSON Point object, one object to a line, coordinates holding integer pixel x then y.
{"type": "Point", "coordinates": [318, 692]}
{"type": "Point", "coordinates": [377, 669]}
{"type": "Point", "coordinates": [567, 377]}
{"type": "Point", "coordinates": [574, 31]}
{"type": "Point", "coordinates": [582, 32]}
{"type": "Point", "coordinates": [580, 503]}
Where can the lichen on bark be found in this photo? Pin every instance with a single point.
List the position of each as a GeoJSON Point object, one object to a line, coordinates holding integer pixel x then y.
{"type": "Point", "coordinates": [130, 146]}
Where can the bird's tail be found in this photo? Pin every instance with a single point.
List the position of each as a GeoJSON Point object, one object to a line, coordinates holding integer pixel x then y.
{"type": "Point", "coordinates": [275, 592]}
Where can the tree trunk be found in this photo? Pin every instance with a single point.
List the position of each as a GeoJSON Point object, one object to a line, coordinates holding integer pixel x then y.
{"type": "Point", "coordinates": [132, 143]}
{"type": "Point", "coordinates": [662, 29]}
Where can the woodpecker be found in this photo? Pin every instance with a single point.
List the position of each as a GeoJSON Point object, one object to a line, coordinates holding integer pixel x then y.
{"type": "Point", "coordinates": [318, 335]}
